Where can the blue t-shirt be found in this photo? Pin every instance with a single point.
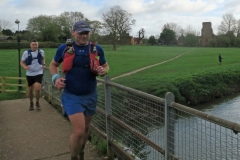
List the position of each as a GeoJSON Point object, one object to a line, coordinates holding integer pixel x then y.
{"type": "Point", "coordinates": [80, 80]}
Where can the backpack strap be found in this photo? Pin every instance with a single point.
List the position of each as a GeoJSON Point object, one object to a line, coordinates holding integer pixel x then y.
{"type": "Point", "coordinates": [39, 57]}
{"type": "Point", "coordinates": [69, 47]}
{"type": "Point", "coordinates": [94, 58]}
{"type": "Point", "coordinates": [68, 56]}
{"type": "Point", "coordinates": [93, 48]}
{"type": "Point", "coordinates": [30, 58]}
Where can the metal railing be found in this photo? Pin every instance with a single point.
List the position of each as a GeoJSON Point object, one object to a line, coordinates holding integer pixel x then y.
{"type": "Point", "coordinates": [141, 126]}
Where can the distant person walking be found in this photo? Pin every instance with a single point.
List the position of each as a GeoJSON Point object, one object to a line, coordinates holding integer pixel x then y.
{"type": "Point", "coordinates": [220, 59]}
{"type": "Point", "coordinates": [33, 62]}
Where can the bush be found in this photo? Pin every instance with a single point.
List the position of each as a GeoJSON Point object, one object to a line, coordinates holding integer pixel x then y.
{"type": "Point", "coordinates": [208, 86]}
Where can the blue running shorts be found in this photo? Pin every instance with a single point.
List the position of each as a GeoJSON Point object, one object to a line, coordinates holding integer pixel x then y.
{"type": "Point", "coordinates": [79, 103]}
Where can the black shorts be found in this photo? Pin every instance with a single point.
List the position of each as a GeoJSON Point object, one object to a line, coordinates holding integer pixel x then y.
{"type": "Point", "coordinates": [32, 79]}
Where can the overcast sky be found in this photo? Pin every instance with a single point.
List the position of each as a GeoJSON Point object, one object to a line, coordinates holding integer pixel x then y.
{"type": "Point", "coordinates": [149, 14]}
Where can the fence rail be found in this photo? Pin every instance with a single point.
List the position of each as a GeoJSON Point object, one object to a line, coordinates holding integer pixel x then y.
{"type": "Point", "coordinates": [137, 125]}
{"type": "Point", "coordinates": [7, 85]}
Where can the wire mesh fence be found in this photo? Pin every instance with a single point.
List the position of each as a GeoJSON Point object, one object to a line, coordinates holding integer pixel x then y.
{"type": "Point", "coordinates": [205, 138]}
{"type": "Point", "coordinates": [141, 126]}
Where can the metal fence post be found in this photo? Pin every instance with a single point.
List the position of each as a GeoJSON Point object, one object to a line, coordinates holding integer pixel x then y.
{"type": "Point", "coordinates": [108, 111]}
{"type": "Point", "coordinates": [169, 125]}
{"type": "Point", "coordinates": [51, 96]}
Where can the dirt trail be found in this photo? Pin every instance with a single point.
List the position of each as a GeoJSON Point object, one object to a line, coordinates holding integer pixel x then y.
{"type": "Point", "coordinates": [141, 69]}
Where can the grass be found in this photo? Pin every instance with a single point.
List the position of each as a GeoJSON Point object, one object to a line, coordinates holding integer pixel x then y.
{"type": "Point", "coordinates": [125, 59]}
{"type": "Point", "coordinates": [161, 79]}
{"type": "Point", "coordinates": [156, 80]}
{"type": "Point", "coordinates": [11, 96]}
{"type": "Point", "coordinates": [196, 61]}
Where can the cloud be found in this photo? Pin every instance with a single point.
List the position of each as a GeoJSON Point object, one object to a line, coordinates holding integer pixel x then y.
{"type": "Point", "coordinates": [149, 14]}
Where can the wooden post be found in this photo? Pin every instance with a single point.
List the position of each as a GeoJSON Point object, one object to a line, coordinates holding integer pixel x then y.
{"type": "Point", "coordinates": [3, 84]}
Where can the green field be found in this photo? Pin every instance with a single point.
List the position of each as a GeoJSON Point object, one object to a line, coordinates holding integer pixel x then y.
{"type": "Point", "coordinates": [199, 66]}
{"type": "Point", "coordinates": [125, 59]}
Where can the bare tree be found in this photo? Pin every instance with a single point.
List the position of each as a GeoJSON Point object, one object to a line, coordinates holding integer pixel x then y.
{"type": "Point", "coordinates": [96, 27]}
{"type": "Point", "coordinates": [238, 28]}
{"type": "Point", "coordinates": [67, 19]}
{"type": "Point", "coordinates": [190, 30]}
{"type": "Point", "coordinates": [141, 33]}
{"type": "Point", "coordinates": [175, 27]}
{"type": "Point", "coordinates": [117, 22]}
{"type": "Point", "coordinates": [182, 32]}
{"type": "Point", "coordinates": [4, 24]}
{"type": "Point", "coordinates": [227, 24]}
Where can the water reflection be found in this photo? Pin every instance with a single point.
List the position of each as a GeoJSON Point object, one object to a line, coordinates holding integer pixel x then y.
{"type": "Point", "coordinates": [196, 138]}
{"type": "Point", "coordinates": [226, 108]}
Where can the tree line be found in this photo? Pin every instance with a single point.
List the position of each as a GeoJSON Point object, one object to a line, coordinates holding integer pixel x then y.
{"type": "Point", "coordinates": [228, 34]}
{"type": "Point", "coordinates": [115, 27]}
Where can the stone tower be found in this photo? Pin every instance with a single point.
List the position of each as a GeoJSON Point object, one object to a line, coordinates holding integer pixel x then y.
{"type": "Point", "coordinates": [207, 33]}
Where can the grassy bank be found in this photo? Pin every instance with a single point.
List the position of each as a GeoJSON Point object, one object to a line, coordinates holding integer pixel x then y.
{"type": "Point", "coordinates": [194, 77]}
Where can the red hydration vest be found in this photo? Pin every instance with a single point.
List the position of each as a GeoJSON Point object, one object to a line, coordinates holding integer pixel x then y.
{"type": "Point", "coordinates": [69, 54]}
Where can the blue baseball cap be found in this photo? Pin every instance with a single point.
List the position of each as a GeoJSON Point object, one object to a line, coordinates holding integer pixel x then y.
{"type": "Point", "coordinates": [81, 26]}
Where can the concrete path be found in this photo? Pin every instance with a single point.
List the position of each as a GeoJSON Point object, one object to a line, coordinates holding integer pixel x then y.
{"type": "Point", "coordinates": [40, 135]}
{"type": "Point", "coordinates": [35, 135]}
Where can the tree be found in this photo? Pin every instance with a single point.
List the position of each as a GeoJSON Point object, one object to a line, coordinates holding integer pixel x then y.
{"type": "Point", "coordinates": [7, 32]}
{"type": "Point", "coordinates": [174, 27]}
{"type": "Point", "coordinates": [117, 22]}
{"type": "Point", "coordinates": [167, 36]}
{"type": "Point", "coordinates": [141, 33]}
{"type": "Point", "coordinates": [191, 40]}
{"type": "Point", "coordinates": [232, 38]}
{"type": "Point", "coordinates": [49, 33]}
{"type": "Point", "coordinates": [223, 41]}
{"type": "Point", "coordinates": [27, 35]}
{"type": "Point", "coordinates": [213, 42]}
{"type": "Point", "coordinates": [96, 27]}
{"type": "Point", "coordinates": [227, 24]}
{"type": "Point", "coordinates": [238, 42]}
{"type": "Point", "coordinates": [43, 25]}
{"type": "Point", "coordinates": [238, 28]}
{"type": "Point", "coordinates": [66, 21]}
{"type": "Point", "coordinates": [152, 40]}
{"type": "Point", "coordinates": [190, 30]}
{"type": "Point", "coordinates": [4, 24]}
{"type": "Point", "coordinates": [69, 18]}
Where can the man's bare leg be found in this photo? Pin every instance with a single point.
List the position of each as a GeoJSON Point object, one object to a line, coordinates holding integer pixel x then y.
{"type": "Point", "coordinates": [85, 136]}
{"type": "Point", "coordinates": [78, 125]}
{"type": "Point", "coordinates": [30, 89]}
{"type": "Point", "coordinates": [37, 94]}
